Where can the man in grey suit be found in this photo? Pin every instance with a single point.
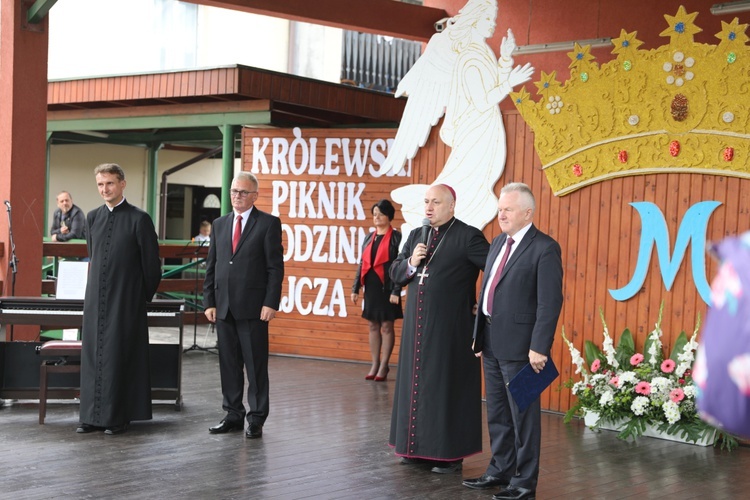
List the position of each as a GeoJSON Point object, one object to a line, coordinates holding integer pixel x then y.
{"type": "Point", "coordinates": [519, 305]}
{"type": "Point", "coordinates": [241, 293]}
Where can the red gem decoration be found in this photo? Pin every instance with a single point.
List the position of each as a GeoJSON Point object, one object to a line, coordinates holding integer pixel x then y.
{"type": "Point", "coordinates": [728, 154]}
{"type": "Point", "coordinates": [674, 148]}
{"type": "Point", "coordinates": [578, 170]}
{"type": "Point", "coordinates": [623, 156]}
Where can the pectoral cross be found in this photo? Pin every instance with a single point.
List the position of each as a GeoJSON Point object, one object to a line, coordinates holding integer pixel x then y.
{"type": "Point", "coordinates": [422, 275]}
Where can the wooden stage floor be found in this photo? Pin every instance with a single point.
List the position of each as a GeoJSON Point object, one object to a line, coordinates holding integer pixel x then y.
{"type": "Point", "coordinates": [326, 437]}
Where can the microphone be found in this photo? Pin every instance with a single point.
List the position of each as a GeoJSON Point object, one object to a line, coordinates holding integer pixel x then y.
{"type": "Point", "coordinates": [425, 230]}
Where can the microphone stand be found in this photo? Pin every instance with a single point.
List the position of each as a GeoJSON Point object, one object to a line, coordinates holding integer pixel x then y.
{"type": "Point", "coordinates": [195, 346]}
{"type": "Point", "coordinates": [13, 267]}
{"type": "Point", "coordinates": [12, 260]}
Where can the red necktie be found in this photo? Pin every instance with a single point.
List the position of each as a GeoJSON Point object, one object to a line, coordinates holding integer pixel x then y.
{"type": "Point", "coordinates": [237, 233]}
{"type": "Point", "coordinates": [496, 279]}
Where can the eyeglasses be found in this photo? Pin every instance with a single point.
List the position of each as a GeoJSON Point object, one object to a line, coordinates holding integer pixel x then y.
{"type": "Point", "coordinates": [241, 194]}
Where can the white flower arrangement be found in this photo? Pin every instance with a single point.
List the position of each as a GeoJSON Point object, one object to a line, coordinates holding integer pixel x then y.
{"type": "Point", "coordinates": [622, 386]}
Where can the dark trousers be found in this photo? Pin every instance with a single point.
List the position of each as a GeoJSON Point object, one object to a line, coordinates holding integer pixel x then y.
{"type": "Point", "coordinates": [243, 345]}
{"type": "Point", "coordinates": [515, 438]}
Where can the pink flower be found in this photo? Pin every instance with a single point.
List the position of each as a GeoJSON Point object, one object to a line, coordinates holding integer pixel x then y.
{"type": "Point", "coordinates": [615, 381]}
{"type": "Point", "coordinates": [643, 388]}
{"type": "Point", "coordinates": [667, 366]}
{"type": "Point", "coordinates": [676, 395]}
{"type": "Point", "coordinates": [682, 381]}
{"type": "Point", "coordinates": [636, 359]}
{"type": "Point", "coordinates": [577, 170]}
{"type": "Point", "coordinates": [739, 372]}
{"type": "Point", "coordinates": [595, 366]}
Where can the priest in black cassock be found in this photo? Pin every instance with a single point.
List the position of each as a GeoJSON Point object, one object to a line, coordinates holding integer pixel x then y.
{"type": "Point", "coordinates": [124, 273]}
{"type": "Point", "coordinates": [437, 412]}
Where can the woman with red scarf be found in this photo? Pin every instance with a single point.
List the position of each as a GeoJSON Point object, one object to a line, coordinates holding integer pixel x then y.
{"type": "Point", "coordinates": [382, 301]}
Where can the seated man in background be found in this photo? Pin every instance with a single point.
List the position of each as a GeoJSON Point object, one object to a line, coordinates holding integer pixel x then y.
{"type": "Point", "coordinates": [68, 221]}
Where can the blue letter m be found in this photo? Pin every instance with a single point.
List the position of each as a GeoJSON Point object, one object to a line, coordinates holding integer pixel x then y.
{"type": "Point", "coordinates": [654, 230]}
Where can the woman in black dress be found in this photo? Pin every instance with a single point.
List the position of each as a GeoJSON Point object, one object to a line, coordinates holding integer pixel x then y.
{"type": "Point", "coordinates": [382, 301]}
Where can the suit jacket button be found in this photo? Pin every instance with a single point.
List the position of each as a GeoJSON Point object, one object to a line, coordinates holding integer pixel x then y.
{"type": "Point", "coordinates": [230, 262]}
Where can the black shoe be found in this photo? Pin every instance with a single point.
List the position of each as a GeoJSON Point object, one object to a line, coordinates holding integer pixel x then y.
{"type": "Point", "coordinates": [411, 461]}
{"type": "Point", "coordinates": [117, 429]}
{"type": "Point", "coordinates": [86, 428]}
{"type": "Point", "coordinates": [484, 481]}
{"type": "Point", "coordinates": [226, 426]}
{"type": "Point", "coordinates": [514, 493]}
{"type": "Point", "coordinates": [254, 431]}
{"type": "Point", "coordinates": [448, 467]}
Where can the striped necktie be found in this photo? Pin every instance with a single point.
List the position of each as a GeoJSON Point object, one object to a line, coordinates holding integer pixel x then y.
{"type": "Point", "coordinates": [496, 279]}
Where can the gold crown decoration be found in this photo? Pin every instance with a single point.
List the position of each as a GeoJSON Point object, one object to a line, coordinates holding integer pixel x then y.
{"type": "Point", "coordinates": [682, 107]}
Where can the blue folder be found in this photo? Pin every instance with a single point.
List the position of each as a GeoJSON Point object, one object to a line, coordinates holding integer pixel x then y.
{"type": "Point", "coordinates": [528, 385]}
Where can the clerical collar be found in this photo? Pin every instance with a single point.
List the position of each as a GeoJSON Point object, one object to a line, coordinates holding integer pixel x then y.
{"type": "Point", "coordinates": [111, 209]}
{"type": "Point", "coordinates": [439, 229]}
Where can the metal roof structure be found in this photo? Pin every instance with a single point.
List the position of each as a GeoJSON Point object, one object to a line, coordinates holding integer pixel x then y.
{"type": "Point", "coordinates": [186, 109]}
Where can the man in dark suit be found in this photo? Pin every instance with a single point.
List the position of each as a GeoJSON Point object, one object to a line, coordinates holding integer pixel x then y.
{"type": "Point", "coordinates": [519, 305]}
{"type": "Point", "coordinates": [242, 290]}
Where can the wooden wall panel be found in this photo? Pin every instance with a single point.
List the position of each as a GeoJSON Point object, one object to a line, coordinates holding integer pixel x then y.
{"type": "Point", "coordinates": [329, 337]}
{"type": "Point", "coordinates": [212, 82]}
{"type": "Point", "coordinates": [599, 233]}
{"type": "Point", "coordinates": [317, 102]}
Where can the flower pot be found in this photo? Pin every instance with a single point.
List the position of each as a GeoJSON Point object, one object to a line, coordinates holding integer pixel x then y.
{"type": "Point", "coordinates": [592, 421]}
{"type": "Point", "coordinates": [708, 440]}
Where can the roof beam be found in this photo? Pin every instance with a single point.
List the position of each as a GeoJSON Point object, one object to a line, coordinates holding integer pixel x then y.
{"type": "Point", "coordinates": [76, 138]}
{"type": "Point", "coordinates": [40, 9]}
{"type": "Point", "coordinates": [159, 122]}
{"type": "Point", "coordinates": [225, 107]}
{"type": "Point", "coordinates": [383, 17]}
{"type": "Point", "coordinates": [212, 135]}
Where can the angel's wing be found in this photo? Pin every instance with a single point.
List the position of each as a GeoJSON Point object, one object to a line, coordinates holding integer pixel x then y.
{"type": "Point", "coordinates": [427, 84]}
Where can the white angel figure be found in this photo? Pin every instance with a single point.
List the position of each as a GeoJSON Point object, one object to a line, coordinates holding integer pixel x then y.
{"type": "Point", "coordinates": [458, 76]}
